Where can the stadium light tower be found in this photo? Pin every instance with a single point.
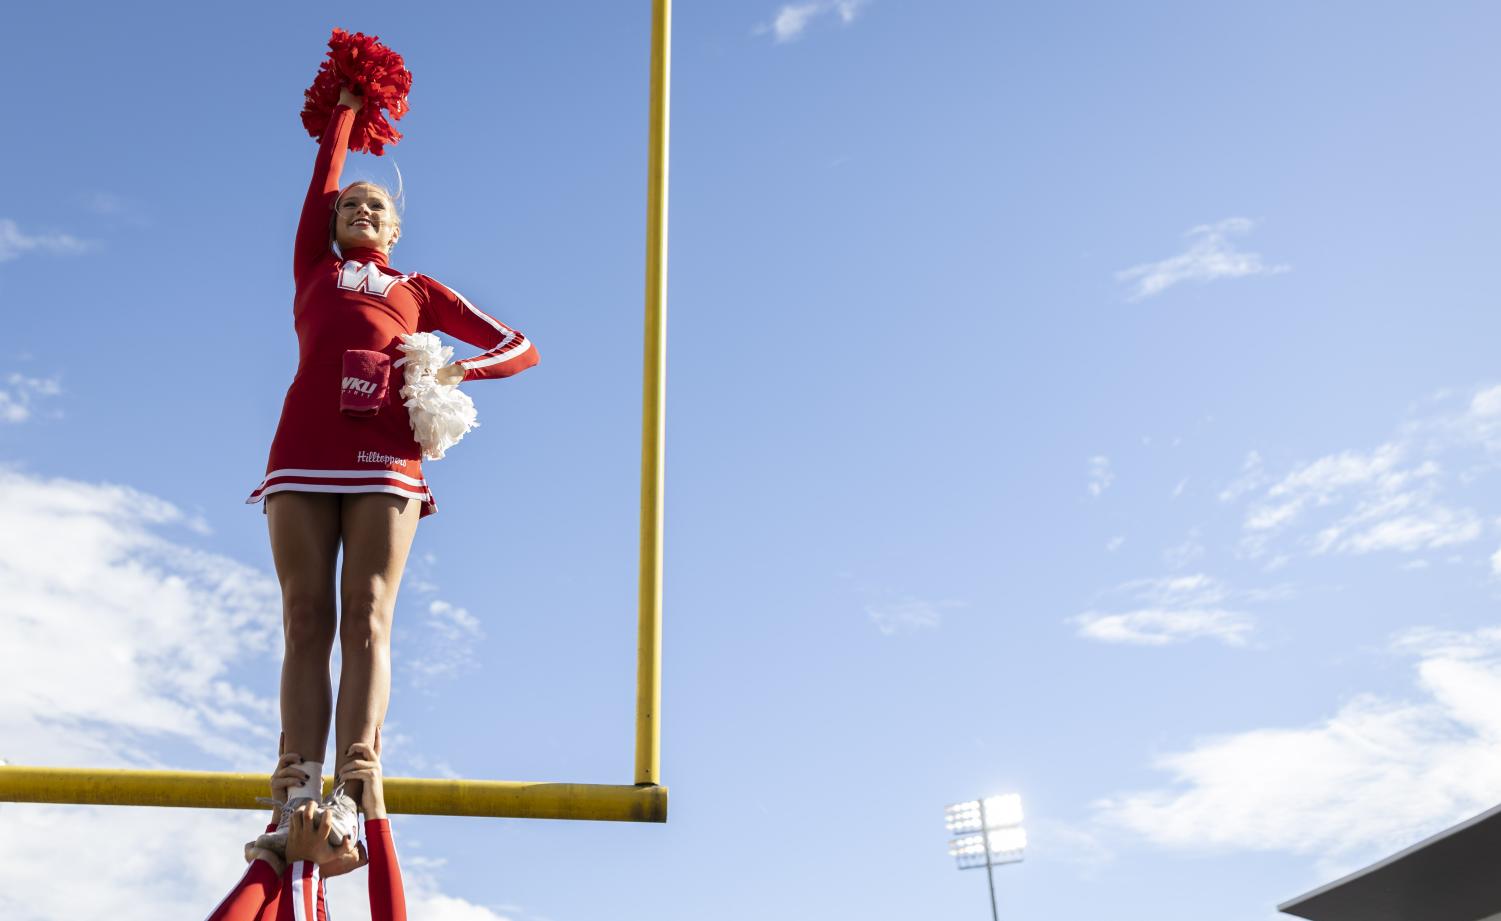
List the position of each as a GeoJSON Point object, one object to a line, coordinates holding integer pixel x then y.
{"type": "Point", "coordinates": [989, 833]}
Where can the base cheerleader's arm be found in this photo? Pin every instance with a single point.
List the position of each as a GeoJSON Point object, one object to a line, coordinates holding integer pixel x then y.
{"type": "Point", "coordinates": [258, 888]}
{"type": "Point", "coordinates": [387, 898]}
{"type": "Point", "coordinates": [507, 351]}
{"type": "Point", "coordinates": [255, 896]}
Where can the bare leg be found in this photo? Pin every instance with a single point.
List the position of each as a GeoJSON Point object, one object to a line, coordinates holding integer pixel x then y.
{"type": "Point", "coordinates": [378, 530]}
{"type": "Point", "coordinates": [305, 544]}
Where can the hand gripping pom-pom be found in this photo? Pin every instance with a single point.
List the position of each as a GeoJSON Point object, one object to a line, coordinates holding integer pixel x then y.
{"type": "Point", "coordinates": [440, 414]}
{"type": "Point", "coordinates": [369, 69]}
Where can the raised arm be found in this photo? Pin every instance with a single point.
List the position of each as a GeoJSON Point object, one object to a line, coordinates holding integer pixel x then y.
{"type": "Point", "coordinates": [507, 351]}
{"type": "Point", "coordinates": [312, 227]}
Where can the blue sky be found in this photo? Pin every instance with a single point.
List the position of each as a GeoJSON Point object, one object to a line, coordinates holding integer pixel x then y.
{"type": "Point", "coordinates": [1091, 402]}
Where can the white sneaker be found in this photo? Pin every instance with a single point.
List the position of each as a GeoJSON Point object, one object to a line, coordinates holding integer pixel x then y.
{"type": "Point", "coordinates": [343, 816]}
{"type": "Point", "coordinates": [276, 841]}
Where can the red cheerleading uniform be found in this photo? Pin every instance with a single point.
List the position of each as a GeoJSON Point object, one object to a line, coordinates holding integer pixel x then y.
{"type": "Point", "coordinates": [298, 895]}
{"type": "Point", "coordinates": [360, 302]}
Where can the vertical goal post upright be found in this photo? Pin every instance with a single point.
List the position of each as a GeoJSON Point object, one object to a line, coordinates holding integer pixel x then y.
{"type": "Point", "coordinates": [645, 800]}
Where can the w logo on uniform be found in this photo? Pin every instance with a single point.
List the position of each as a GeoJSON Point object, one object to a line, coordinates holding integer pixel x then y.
{"type": "Point", "coordinates": [366, 276]}
{"type": "Point", "coordinates": [354, 383]}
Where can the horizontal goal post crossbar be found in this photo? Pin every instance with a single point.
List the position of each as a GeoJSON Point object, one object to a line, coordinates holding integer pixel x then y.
{"type": "Point", "coordinates": [511, 799]}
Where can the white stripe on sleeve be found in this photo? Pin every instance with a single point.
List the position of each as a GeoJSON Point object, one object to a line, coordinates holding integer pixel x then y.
{"type": "Point", "coordinates": [497, 359]}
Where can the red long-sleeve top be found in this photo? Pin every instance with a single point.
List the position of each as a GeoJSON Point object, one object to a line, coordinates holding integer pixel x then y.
{"type": "Point", "coordinates": [358, 301]}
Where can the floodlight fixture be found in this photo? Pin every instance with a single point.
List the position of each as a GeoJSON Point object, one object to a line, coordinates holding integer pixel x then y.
{"type": "Point", "coordinates": [989, 833]}
{"type": "Point", "coordinates": [963, 817]}
{"type": "Point", "coordinates": [1007, 845]}
{"type": "Point", "coordinates": [1003, 811]}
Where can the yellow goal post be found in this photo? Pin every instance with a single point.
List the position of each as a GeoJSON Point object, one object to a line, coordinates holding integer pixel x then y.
{"type": "Point", "coordinates": [644, 800]}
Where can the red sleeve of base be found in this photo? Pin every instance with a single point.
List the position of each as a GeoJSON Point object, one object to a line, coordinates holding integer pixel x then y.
{"type": "Point", "coordinates": [387, 900]}
{"type": "Point", "coordinates": [258, 887]}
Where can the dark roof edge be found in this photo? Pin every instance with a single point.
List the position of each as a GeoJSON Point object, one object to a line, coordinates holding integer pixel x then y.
{"type": "Point", "coordinates": [1380, 864]}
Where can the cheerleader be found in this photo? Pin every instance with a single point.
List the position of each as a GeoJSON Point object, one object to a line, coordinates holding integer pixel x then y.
{"type": "Point", "coordinates": [345, 468]}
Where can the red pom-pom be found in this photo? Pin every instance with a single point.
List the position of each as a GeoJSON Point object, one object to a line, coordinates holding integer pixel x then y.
{"type": "Point", "coordinates": [370, 69]}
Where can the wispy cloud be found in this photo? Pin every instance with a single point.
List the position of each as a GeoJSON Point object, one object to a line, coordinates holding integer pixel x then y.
{"type": "Point", "coordinates": [405, 756]}
{"type": "Point", "coordinates": [105, 203]}
{"type": "Point", "coordinates": [123, 641]}
{"type": "Point", "coordinates": [1378, 771]}
{"type": "Point", "coordinates": [348, 896]}
{"type": "Point", "coordinates": [1161, 627]}
{"type": "Point", "coordinates": [1162, 612]}
{"type": "Point", "coordinates": [21, 393]}
{"type": "Point", "coordinates": [40, 838]}
{"type": "Point", "coordinates": [1100, 475]}
{"type": "Point", "coordinates": [1252, 477]}
{"type": "Point", "coordinates": [1210, 255]}
{"type": "Point", "coordinates": [35, 844]}
{"type": "Point", "coordinates": [116, 208]}
{"type": "Point", "coordinates": [907, 616]}
{"type": "Point", "coordinates": [1398, 496]}
{"type": "Point", "coordinates": [447, 640]}
{"type": "Point", "coordinates": [1180, 555]}
{"type": "Point", "coordinates": [792, 19]}
{"type": "Point", "coordinates": [1379, 774]}
{"type": "Point", "coordinates": [15, 243]}
{"type": "Point", "coordinates": [123, 634]}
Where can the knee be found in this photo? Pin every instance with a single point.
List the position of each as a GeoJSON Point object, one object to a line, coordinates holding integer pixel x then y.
{"type": "Point", "coordinates": [364, 627]}
{"type": "Point", "coordinates": [366, 614]}
{"type": "Point", "coordinates": [308, 625]}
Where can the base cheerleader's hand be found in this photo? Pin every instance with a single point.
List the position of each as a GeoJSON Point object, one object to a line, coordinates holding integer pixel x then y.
{"type": "Point", "coordinates": [364, 766]}
{"type": "Point", "coordinates": [308, 840]}
{"type": "Point", "coordinates": [285, 777]}
{"type": "Point", "coordinates": [450, 375]}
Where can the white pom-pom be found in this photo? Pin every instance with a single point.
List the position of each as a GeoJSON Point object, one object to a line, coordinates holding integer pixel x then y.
{"type": "Point", "coordinates": [440, 414]}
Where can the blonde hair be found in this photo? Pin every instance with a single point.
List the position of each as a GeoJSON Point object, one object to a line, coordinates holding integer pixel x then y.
{"type": "Point", "coordinates": [397, 200]}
